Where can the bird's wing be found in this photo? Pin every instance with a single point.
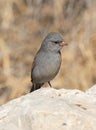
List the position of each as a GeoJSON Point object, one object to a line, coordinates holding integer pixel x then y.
{"type": "Point", "coordinates": [32, 70]}
{"type": "Point", "coordinates": [33, 65]}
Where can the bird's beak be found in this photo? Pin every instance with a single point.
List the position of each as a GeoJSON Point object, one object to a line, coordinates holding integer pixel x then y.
{"type": "Point", "coordinates": [63, 44]}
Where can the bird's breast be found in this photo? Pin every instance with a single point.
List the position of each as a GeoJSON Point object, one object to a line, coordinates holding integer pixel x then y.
{"type": "Point", "coordinates": [46, 66]}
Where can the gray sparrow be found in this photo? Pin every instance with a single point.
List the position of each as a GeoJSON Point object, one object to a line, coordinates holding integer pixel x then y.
{"type": "Point", "coordinates": [47, 61]}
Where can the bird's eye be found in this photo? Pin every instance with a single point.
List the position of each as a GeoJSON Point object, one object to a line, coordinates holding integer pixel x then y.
{"type": "Point", "coordinates": [56, 42]}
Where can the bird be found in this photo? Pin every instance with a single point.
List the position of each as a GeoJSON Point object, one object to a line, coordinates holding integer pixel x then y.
{"type": "Point", "coordinates": [47, 61]}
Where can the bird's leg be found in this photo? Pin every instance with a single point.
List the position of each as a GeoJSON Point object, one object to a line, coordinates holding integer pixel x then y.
{"type": "Point", "coordinates": [49, 84]}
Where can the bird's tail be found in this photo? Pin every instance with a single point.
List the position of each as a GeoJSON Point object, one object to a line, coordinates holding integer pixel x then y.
{"type": "Point", "coordinates": [36, 86]}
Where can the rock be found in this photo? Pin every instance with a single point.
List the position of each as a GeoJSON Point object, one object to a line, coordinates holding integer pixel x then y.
{"type": "Point", "coordinates": [50, 109]}
{"type": "Point", "coordinates": [92, 91]}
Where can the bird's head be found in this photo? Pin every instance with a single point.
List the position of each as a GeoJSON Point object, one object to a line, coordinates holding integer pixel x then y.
{"type": "Point", "coordinates": [53, 42]}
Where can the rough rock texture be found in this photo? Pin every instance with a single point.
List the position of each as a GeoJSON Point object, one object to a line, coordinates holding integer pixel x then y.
{"type": "Point", "coordinates": [51, 109]}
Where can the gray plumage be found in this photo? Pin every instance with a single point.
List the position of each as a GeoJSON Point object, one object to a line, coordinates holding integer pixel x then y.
{"type": "Point", "coordinates": [47, 60]}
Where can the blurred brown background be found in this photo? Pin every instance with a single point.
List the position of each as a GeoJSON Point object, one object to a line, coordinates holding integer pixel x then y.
{"type": "Point", "coordinates": [24, 24]}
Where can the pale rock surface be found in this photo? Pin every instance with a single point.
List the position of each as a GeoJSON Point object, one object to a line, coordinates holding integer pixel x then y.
{"type": "Point", "coordinates": [92, 91]}
{"type": "Point", "coordinates": [51, 109]}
